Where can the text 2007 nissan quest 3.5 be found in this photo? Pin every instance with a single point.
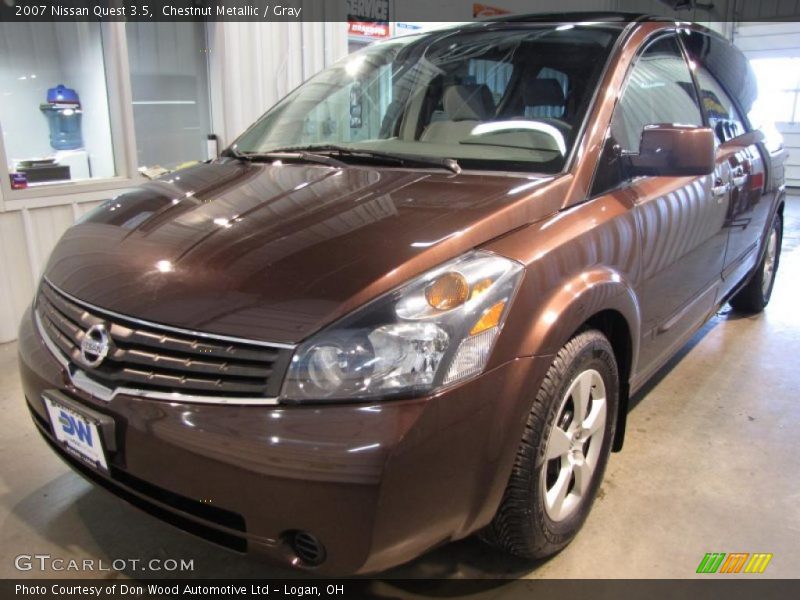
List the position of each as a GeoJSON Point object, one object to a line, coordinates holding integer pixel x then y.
{"type": "Point", "coordinates": [410, 303]}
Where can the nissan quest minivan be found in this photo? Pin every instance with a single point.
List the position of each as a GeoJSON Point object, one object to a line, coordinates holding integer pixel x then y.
{"type": "Point", "coordinates": [410, 303]}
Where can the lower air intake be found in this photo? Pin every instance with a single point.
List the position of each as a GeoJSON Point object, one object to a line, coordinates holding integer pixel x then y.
{"type": "Point", "coordinates": [307, 547]}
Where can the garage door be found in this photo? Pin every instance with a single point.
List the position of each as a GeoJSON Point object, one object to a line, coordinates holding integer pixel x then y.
{"type": "Point", "coordinates": [774, 51]}
{"type": "Point", "coordinates": [791, 139]}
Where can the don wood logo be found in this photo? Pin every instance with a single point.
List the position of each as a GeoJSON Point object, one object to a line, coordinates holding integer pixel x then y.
{"type": "Point", "coordinates": [736, 562]}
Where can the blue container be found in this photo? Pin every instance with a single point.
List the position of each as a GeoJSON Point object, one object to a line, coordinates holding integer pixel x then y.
{"type": "Point", "coordinates": [62, 95]}
{"type": "Point", "coordinates": [63, 112]}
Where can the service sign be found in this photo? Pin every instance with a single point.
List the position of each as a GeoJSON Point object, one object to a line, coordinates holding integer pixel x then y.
{"type": "Point", "coordinates": [368, 10]}
{"type": "Point", "coordinates": [368, 19]}
{"type": "Point", "coordinates": [368, 29]}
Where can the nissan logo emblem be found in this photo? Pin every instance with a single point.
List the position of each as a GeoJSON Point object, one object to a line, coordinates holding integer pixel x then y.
{"type": "Point", "coordinates": [95, 345]}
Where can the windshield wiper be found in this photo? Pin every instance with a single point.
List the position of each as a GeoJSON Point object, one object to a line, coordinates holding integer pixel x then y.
{"type": "Point", "coordinates": [284, 155]}
{"type": "Point", "coordinates": [403, 159]}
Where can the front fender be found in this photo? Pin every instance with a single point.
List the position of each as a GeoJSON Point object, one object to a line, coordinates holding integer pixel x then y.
{"type": "Point", "coordinates": [581, 264]}
{"type": "Point", "coordinates": [581, 297]}
{"type": "Point", "coordinates": [592, 294]}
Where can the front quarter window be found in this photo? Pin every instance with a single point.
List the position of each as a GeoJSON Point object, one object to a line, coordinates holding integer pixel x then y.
{"type": "Point", "coordinates": [659, 89]}
{"type": "Point", "coordinates": [510, 99]}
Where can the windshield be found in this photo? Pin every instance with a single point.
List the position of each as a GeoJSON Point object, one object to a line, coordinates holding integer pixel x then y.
{"type": "Point", "coordinates": [505, 99]}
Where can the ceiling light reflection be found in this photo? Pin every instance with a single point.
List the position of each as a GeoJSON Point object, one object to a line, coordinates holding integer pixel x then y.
{"type": "Point", "coordinates": [510, 125]}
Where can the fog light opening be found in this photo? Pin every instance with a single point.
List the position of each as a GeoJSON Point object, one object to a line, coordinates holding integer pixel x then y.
{"type": "Point", "coordinates": [307, 547]}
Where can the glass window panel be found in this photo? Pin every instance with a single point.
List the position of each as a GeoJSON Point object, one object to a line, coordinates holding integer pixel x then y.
{"type": "Point", "coordinates": [54, 103]}
{"type": "Point", "coordinates": [436, 96]}
{"type": "Point", "coordinates": [492, 73]}
{"type": "Point", "coordinates": [659, 90]}
{"type": "Point", "coordinates": [169, 86]}
{"type": "Point", "coordinates": [551, 110]}
{"type": "Point", "coordinates": [722, 115]}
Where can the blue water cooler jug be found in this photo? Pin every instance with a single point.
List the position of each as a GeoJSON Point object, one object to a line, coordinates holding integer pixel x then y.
{"type": "Point", "coordinates": [63, 112]}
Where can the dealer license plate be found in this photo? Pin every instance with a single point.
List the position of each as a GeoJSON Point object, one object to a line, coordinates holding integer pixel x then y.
{"type": "Point", "coordinates": [78, 434]}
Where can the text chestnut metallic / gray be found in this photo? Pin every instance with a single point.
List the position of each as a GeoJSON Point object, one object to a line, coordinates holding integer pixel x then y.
{"type": "Point", "coordinates": [410, 303]}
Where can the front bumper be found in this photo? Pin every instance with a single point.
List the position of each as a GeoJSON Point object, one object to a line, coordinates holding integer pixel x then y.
{"type": "Point", "coordinates": [377, 484]}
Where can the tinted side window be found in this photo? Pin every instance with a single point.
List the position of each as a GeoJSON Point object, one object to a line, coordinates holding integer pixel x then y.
{"type": "Point", "coordinates": [659, 90]}
{"type": "Point", "coordinates": [729, 67]}
{"type": "Point", "coordinates": [723, 116]}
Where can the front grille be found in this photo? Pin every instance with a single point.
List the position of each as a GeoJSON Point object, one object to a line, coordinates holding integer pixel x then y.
{"type": "Point", "coordinates": [148, 358]}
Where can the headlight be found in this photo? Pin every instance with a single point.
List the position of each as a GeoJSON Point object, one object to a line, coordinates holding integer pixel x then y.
{"type": "Point", "coordinates": [435, 331]}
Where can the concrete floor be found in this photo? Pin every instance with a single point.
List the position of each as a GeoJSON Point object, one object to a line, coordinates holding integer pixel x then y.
{"type": "Point", "coordinates": [709, 465]}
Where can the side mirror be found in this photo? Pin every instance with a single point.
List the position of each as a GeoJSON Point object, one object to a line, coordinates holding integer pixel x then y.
{"type": "Point", "coordinates": [673, 151]}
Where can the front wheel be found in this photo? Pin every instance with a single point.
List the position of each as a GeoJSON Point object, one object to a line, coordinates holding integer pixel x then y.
{"type": "Point", "coordinates": [563, 453]}
{"type": "Point", "coordinates": [754, 296]}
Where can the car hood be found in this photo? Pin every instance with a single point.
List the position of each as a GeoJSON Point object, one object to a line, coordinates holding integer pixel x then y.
{"type": "Point", "coordinates": [276, 252]}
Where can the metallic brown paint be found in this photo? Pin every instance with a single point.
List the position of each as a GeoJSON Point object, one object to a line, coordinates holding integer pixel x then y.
{"type": "Point", "coordinates": [300, 471]}
{"type": "Point", "coordinates": [280, 251]}
{"type": "Point", "coordinates": [275, 253]}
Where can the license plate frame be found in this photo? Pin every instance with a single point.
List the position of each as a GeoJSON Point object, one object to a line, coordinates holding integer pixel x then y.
{"type": "Point", "coordinates": [78, 432]}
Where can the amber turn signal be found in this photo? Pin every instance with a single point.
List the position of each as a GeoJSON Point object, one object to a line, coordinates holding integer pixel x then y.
{"type": "Point", "coordinates": [447, 291]}
{"type": "Point", "coordinates": [490, 318]}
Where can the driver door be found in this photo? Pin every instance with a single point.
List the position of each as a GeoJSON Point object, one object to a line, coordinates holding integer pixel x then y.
{"type": "Point", "coordinates": [680, 220]}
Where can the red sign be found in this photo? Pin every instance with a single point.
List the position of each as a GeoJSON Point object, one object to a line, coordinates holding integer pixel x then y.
{"type": "Point", "coordinates": [368, 29]}
{"type": "Point", "coordinates": [481, 11]}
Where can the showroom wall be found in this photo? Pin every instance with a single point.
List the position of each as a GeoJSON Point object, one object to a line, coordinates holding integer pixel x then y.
{"type": "Point", "coordinates": [169, 91]}
{"type": "Point", "coordinates": [249, 67]}
{"type": "Point", "coordinates": [253, 65]}
{"type": "Point", "coordinates": [38, 56]}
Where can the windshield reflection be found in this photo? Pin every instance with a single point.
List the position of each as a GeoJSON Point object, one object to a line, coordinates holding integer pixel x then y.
{"type": "Point", "coordinates": [511, 98]}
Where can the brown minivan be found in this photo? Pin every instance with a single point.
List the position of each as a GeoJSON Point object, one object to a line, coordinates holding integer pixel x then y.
{"type": "Point", "coordinates": [411, 302]}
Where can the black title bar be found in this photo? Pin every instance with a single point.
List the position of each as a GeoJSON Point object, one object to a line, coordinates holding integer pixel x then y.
{"type": "Point", "coordinates": [173, 10]}
{"type": "Point", "coordinates": [731, 588]}
{"type": "Point", "coordinates": [368, 10]}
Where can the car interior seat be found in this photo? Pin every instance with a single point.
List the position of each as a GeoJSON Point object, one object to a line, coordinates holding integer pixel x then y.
{"type": "Point", "coordinates": [465, 106]}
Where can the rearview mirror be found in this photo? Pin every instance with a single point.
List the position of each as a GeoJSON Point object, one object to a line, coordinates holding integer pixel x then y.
{"type": "Point", "coordinates": [673, 151]}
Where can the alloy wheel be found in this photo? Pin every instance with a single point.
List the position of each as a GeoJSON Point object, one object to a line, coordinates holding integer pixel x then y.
{"type": "Point", "coordinates": [769, 262]}
{"type": "Point", "coordinates": [573, 448]}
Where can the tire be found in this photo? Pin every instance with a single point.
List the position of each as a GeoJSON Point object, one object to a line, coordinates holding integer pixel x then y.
{"type": "Point", "coordinates": [754, 296]}
{"type": "Point", "coordinates": [527, 524]}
